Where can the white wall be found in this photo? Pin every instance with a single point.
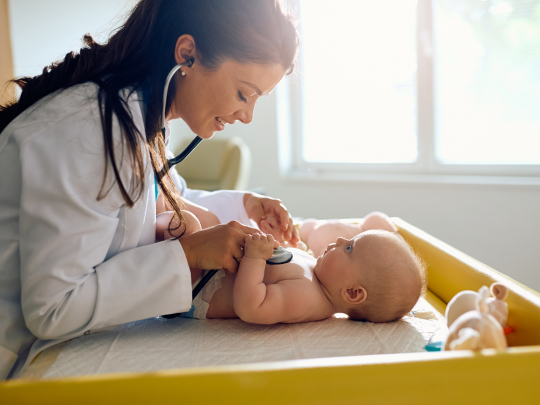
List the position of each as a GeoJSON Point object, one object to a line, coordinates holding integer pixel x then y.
{"type": "Point", "coordinates": [495, 224]}
{"type": "Point", "coordinates": [43, 31]}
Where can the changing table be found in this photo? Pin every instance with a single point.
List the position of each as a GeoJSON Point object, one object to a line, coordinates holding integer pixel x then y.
{"type": "Point", "coordinates": [423, 377]}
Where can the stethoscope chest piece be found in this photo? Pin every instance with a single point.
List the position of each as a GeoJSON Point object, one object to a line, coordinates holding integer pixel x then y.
{"type": "Point", "coordinates": [280, 256]}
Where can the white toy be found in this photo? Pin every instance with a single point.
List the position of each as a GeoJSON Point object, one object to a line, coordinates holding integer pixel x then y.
{"type": "Point", "coordinates": [476, 329]}
{"type": "Point", "coordinates": [465, 301]}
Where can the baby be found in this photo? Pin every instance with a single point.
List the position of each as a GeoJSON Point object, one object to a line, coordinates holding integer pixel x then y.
{"type": "Point", "coordinates": [373, 276]}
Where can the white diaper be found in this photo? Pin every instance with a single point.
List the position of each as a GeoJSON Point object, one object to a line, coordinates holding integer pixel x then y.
{"type": "Point", "coordinates": [199, 306]}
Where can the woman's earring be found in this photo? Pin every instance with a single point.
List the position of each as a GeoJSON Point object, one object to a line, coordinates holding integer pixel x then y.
{"type": "Point", "coordinates": [183, 73]}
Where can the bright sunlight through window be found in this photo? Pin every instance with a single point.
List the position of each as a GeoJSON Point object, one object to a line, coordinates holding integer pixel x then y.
{"type": "Point", "coordinates": [359, 81]}
{"type": "Point", "coordinates": [479, 112]}
{"type": "Point", "coordinates": [487, 82]}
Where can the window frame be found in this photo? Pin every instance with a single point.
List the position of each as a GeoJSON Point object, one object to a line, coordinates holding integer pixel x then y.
{"type": "Point", "coordinates": [290, 115]}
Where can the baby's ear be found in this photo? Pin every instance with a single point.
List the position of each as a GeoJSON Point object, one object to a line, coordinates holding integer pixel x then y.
{"type": "Point", "coordinates": [355, 295]}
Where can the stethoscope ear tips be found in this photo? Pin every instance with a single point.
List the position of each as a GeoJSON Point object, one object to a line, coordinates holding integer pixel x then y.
{"type": "Point", "coordinates": [190, 62]}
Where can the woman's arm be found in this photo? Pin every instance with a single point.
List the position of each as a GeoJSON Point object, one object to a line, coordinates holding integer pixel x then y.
{"type": "Point", "coordinates": [226, 205]}
{"type": "Point", "coordinates": [241, 206]}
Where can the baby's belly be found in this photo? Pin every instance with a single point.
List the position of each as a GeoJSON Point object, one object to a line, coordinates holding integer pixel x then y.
{"type": "Point", "coordinates": [221, 304]}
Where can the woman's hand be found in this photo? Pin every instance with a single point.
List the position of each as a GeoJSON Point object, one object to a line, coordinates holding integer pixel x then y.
{"type": "Point", "coordinates": [218, 247]}
{"type": "Point", "coordinates": [259, 208]}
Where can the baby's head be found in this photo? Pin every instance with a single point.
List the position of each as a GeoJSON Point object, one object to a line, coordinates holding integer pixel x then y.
{"type": "Point", "coordinates": [373, 277]}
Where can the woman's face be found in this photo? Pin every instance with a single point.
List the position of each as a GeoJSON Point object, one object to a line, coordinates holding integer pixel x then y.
{"type": "Point", "coordinates": [208, 100]}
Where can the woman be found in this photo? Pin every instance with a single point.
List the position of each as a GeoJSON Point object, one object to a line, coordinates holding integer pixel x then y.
{"type": "Point", "coordinates": [79, 153]}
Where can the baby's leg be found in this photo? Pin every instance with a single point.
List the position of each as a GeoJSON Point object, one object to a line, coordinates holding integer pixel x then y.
{"type": "Point", "coordinates": [205, 217]}
{"type": "Point", "coordinates": [378, 220]}
{"type": "Point", "coordinates": [321, 233]}
{"type": "Point", "coordinates": [162, 223]}
{"type": "Point", "coordinates": [306, 227]}
{"type": "Point", "coordinates": [192, 225]}
{"type": "Point", "coordinates": [326, 232]}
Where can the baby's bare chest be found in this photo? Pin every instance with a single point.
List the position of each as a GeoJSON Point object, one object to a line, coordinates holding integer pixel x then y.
{"type": "Point", "coordinates": [300, 267]}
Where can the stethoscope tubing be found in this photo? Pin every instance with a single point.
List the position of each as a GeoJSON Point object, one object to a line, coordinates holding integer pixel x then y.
{"type": "Point", "coordinates": [185, 153]}
{"type": "Point", "coordinates": [193, 144]}
{"type": "Point", "coordinates": [173, 71]}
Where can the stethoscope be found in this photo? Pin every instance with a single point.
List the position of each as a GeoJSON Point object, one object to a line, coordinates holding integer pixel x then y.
{"type": "Point", "coordinates": [197, 140]}
{"type": "Point", "coordinates": [280, 255]}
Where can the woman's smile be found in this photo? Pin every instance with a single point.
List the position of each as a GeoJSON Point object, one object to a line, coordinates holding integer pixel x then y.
{"type": "Point", "coordinates": [208, 99]}
{"type": "Point", "coordinates": [220, 124]}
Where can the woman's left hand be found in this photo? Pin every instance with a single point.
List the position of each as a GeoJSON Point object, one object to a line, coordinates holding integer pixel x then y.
{"type": "Point", "coordinates": [259, 207]}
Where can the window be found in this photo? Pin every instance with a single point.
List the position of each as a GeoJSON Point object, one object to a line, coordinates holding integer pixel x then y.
{"type": "Point", "coordinates": [442, 87]}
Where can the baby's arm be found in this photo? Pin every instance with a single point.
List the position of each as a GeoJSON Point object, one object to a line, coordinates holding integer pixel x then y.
{"type": "Point", "coordinates": [256, 302]}
{"type": "Point", "coordinates": [249, 290]}
{"type": "Point", "coordinates": [191, 225]}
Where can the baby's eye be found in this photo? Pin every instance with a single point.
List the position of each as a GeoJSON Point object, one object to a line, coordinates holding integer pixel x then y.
{"type": "Point", "coordinates": [349, 248]}
{"type": "Point", "coordinates": [241, 96]}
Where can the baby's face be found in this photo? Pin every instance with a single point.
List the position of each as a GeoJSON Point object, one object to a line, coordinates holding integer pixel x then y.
{"type": "Point", "coordinates": [350, 262]}
{"type": "Point", "coordinates": [340, 264]}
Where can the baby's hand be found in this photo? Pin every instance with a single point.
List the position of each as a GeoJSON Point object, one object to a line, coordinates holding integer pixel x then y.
{"type": "Point", "coordinates": [259, 246]}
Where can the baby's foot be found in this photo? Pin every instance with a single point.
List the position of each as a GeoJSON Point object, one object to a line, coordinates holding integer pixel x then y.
{"type": "Point", "coordinates": [378, 220]}
{"type": "Point", "coordinates": [326, 232]}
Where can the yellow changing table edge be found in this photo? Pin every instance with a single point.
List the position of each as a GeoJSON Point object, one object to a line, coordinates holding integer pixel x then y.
{"type": "Point", "coordinates": [416, 378]}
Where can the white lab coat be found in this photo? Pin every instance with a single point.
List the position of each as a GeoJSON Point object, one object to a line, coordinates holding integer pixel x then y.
{"type": "Point", "coordinates": [71, 264]}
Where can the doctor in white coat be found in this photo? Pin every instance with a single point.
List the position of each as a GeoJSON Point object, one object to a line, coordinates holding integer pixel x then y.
{"type": "Point", "coordinates": [81, 149]}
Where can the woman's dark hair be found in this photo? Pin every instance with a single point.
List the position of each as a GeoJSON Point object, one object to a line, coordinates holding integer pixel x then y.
{"type": "Point", "coordinates": [142, 51]}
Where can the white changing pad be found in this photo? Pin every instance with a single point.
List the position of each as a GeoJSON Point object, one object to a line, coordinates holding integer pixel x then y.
{"type": "Point", "coordinates": [159, 344]}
